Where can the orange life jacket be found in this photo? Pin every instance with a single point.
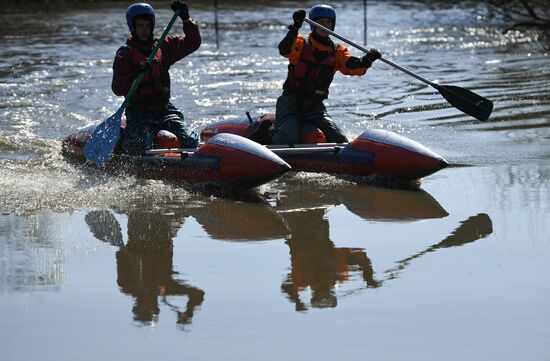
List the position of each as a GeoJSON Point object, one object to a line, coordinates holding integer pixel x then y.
{"type": "Point", "coordinates": [310, 76]}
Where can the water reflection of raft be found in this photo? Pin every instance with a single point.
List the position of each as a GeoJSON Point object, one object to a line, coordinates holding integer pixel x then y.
{"type": "Point", "coordinates": [258, 221]}
{"type": "Point", "coordinates": [226, 159]}
{"type": "Point", "coordinates": [375, 151]}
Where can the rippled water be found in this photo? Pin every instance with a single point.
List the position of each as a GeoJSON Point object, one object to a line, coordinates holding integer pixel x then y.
{"type": "Point", "coordinates": [56, 73]}
{"type": "Point", "coordinates": [307, 266]}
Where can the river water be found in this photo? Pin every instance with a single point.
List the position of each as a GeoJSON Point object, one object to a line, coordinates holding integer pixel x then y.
{"type": "Point", "coordinates": [93, 264]}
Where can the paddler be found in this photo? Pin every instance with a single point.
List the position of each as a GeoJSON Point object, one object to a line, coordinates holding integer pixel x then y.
{"type": "Point", "coordinates": [150, 109]}
{"type": "Point", "coordinates": [313, 61]}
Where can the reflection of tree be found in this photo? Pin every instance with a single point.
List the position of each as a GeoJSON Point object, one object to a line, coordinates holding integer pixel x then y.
{"type": "Point", "coordinates": [522, 13]}
{"type": "Point", "coordinates": [31, 253]}
{"type": "Point", "coordinates": [315, 262]}
{"type": "Point", "coordinates": [145, 264]}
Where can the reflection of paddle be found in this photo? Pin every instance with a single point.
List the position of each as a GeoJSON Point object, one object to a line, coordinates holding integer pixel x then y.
{"type": "Point", "coordinates": [472, 229]}
{"type": "Point", "coordinates": [105, 227]}
{"type": "Point", "coordinates": [462, 99]}
{"type": "Point", "coordinates": [103, 141]}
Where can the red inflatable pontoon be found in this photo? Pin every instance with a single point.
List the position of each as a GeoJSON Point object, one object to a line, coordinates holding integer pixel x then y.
{"type": "Point", "coordinates": [379, 152]}
{"type": "Point", "coordinates": [223, 159]}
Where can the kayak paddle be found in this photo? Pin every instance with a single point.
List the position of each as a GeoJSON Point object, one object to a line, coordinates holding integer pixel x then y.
{"type": "Point", "coordinates": [462, 99]}
{"type": "Point", "coordinates": [104, 138]}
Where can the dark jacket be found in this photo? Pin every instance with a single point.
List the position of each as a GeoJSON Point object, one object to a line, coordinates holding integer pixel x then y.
{"type": "Point", "coordinates": [174, 48]}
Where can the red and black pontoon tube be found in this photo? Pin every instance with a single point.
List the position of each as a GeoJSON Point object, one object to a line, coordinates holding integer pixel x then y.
{"type": "Point", "coordinates": [225, 159]}
{"type": "Point", "coordinates": [375, 151]}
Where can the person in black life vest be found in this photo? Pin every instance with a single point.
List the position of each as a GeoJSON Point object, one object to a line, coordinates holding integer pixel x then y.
{"type": "Point", "coordinates": [150, 109]}
{"type": "Point", "coordinates": [313, 61]}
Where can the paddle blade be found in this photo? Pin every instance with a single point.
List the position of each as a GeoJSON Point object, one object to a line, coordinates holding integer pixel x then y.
{"type": "Point", "coordinates": [466, 101]}
{"type": "Point", "coordinates": [105, 227]}
{"type": "Point", "coordinates": [103, 141]}
{"type": "Point", "coordinates": [470, 230]}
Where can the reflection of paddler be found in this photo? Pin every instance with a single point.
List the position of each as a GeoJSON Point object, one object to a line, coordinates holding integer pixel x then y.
{"type": "Point", "coordinates": [315, 262]}
{"type": "Point", "coordinates": [145, 264]}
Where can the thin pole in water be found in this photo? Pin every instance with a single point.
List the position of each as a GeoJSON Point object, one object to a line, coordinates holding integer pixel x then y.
{"type": "Point", "coordinates": [365, 22]}
{"type": "Point", "coordinates": [216, 22]}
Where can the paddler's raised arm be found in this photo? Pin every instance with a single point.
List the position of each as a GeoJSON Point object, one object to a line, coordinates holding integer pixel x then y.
{"type": "Point", "coordinates": [285, 46]}
{"type": "Point", "coordinates": [178, 47]}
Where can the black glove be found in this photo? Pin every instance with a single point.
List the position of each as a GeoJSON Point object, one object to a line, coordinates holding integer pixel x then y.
{"type": "Point", "coordinates": [144, 66]}
{"type": "Point", "coordinates": [370, 57]}
{"type": "Point", "coordinates": [298, 17]}
{"type": "Point", "coordinates": [184, 11]}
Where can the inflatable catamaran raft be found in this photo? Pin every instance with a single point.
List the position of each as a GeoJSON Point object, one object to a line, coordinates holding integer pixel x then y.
{"type": "Point", "coordinates": [231, 154]}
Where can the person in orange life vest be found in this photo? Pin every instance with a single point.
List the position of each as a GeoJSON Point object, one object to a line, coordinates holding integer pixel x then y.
{"type": "Point", "coordinates": [150, 109]}
{"type": "Point", "coordinates": [313, 61]}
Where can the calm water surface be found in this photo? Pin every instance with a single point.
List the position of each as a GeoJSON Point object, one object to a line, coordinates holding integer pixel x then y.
{"type": "Point", "coordinates": [94, 265]}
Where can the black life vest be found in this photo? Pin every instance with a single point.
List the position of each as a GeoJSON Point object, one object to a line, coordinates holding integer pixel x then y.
{"type": "Point", "coordinates": [155, 85]}
{"type": "Point", "coordinates": [311, 77]}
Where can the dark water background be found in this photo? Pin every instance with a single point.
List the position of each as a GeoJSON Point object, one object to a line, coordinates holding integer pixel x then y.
{"type": "Point", "coordinates": [93, 264]}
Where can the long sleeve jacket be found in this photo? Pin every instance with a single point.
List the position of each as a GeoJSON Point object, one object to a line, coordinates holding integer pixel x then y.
{"type": "Point", "coordinates": [292, 44]}
{"type": "Point", "coordinates": [174, 48]}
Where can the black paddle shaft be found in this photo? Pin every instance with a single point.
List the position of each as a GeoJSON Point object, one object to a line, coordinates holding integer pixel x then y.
{"type": "Point", "coordinates": [462, 99]}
